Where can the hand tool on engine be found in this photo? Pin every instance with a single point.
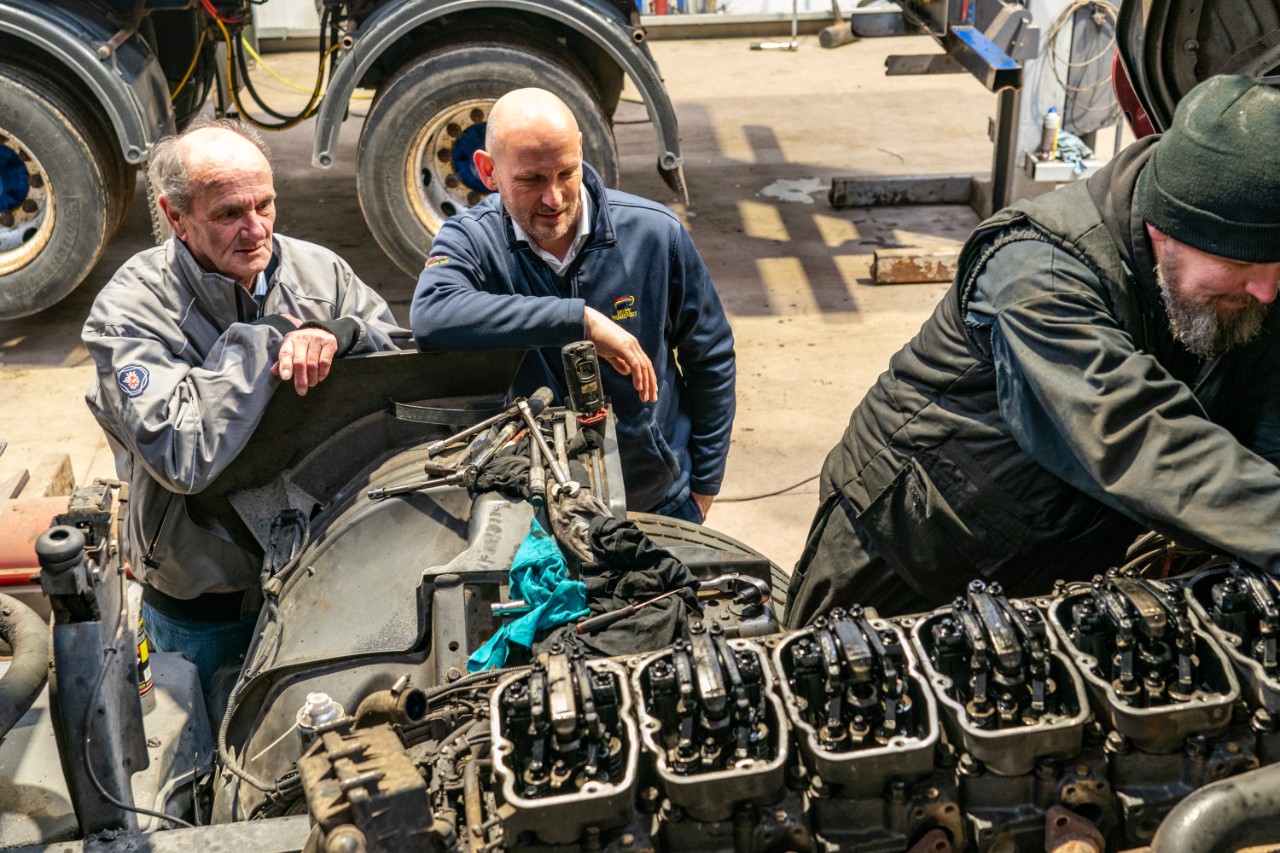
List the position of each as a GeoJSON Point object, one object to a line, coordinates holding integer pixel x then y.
{"type": "Point", "coordinates": [537, 475]}
{"type": "Point", "coordinates": [561, 474]}
{"type": "Point", "coordinates": [465, 476]}
{"type": "Point", "coordinates": [582, 374]}
{"type": "Point", "coordinates": [490, 450]}
{"type": "Point", "coordinates": [536, 404]}
{"type": "Point", "coordinates": [515, 607]}
{"type": "Point", "coordinates": [748, 590]}
{"type": "Point", "coordinates": [596, 624]}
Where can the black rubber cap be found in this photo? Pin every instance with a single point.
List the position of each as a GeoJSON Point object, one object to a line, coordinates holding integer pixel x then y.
{"type": "Point", "coordinates": [59, 548]}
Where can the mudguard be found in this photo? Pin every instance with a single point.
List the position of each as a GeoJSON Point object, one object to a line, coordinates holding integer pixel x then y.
{"type": "Point", "coordinates": [127, 80]}
{"type": "Point", "coordinates": [619, 40]}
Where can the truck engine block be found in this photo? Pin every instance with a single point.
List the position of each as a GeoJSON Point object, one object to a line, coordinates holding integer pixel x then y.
{"type": "Point", "coordinates": [988, 724]}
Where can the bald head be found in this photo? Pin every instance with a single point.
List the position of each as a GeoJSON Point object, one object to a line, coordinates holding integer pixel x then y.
{"type": "Point", "coordinates": [533, 160]}
{"type": "Point", "coordinates": [526, 114]}
{"type": "Point", "coordinates": [202, 145]}
{"type": "Point", "coordinates": [216, 189]}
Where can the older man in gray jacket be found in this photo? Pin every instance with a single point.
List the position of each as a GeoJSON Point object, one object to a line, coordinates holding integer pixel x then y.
{"type": "Point", "coordinates": [191, 339]}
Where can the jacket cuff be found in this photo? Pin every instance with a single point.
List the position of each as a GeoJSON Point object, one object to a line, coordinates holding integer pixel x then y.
{"type": "Point", "coordinates": [276, 321]}
{"type": "Point", "coordinates": [702, 488]}
{"type": "Point", "coordinates": [345, 329]}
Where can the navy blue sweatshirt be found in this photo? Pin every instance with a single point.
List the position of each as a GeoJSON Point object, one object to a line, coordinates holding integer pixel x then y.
{"type": "Point", "coordinates": [484, 289]}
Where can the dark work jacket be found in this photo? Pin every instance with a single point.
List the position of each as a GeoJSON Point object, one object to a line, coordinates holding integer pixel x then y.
{"type": "Point", "coordinates": [1044, 414]}
{"type": "Point", "coordinates": [484, 289]}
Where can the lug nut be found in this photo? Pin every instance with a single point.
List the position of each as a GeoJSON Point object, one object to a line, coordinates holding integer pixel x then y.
{"type": "Point", "coordinates": [6, 219]}
{"type": "Point", "coordinates": [29, 206]}
{"type": "Point", "coordinates": [36, 181]}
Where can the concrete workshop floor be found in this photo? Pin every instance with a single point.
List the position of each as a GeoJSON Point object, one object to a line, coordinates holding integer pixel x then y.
{"type": "Point", "coordinates": [763, 134]}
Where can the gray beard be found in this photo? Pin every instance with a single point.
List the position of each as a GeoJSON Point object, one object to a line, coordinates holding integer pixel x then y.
{"type": "Point", "coordinates": [1198, 326]}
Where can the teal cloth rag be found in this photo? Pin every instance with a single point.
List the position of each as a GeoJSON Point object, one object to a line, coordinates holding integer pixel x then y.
{"type": "Point", "coordinates": [540, 578]}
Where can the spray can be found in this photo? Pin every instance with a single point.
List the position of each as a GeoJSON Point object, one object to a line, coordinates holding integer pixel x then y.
{"type": "Point", "coordinates": [1049, 135]}
{"type": "Point", "coordinates": [145, 683]}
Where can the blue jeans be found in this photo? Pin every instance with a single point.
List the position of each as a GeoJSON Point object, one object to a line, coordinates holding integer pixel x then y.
{"type": "Point", "coordinates": [216, 648]}
{"type": "Point", "coordinates": [687, 511]}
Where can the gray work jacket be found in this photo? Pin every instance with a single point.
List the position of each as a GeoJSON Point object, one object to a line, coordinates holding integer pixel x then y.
{"type": "Point", "coordinates": [184, 375]}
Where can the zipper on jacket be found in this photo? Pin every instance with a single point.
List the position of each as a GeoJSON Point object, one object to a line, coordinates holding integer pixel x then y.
{"type": "Point", "coordinates": [1205, 372]}
{"type": "Point", "coordinates": [148, 559]}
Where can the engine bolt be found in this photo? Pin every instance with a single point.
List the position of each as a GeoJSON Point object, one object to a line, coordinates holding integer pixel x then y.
{"type": "Point", "coordinates": [969, 766]}
{"type": "Point", "coordinates": [1197, 746]}
{"type": "Point", "coordinates": [1262, 721]}
{"type": "Point", "coordinates": [1116, 743]}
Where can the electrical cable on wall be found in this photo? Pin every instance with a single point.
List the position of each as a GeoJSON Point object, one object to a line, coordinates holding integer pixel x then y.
{"type": "Point", "coordinates": [1104, 15]}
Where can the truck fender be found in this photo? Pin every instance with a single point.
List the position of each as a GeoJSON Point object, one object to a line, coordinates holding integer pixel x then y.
{"type": "Point", "coordinates": [396, 20]}
{"type": "Point", "coordinates": [126, 81]}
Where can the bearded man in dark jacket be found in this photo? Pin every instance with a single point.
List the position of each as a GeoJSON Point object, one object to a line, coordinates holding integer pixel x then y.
{"type": "Point", "coordinates": [1105, 363]}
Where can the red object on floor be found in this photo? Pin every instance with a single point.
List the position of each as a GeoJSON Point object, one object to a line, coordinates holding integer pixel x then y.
{"type": "Point", "coordinates": [22, 520]}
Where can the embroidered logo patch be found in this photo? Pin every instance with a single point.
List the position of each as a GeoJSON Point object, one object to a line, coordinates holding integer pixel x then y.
{"type": "Point", "coordinates": [623, 308]}
{"type": "Point", "coordinates": [436, 260]}
{"type": "Point", "coordinates": [133, 379]}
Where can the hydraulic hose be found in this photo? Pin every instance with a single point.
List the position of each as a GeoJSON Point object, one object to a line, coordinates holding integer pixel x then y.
{"type": "Point", "coordinates": [28, 635]}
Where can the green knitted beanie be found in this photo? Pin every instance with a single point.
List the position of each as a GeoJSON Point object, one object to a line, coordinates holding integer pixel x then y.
{"type": "Point", "coordinates": [1213, 181]}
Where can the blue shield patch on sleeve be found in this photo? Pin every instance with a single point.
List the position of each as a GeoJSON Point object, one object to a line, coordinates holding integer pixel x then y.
{"type": "Point", "coordinates": [133, 379]}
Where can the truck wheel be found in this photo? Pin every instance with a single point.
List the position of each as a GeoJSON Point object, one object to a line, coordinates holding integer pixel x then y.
{"type": "Point", "coordinates": [427, 120]}
{"type": "Point", "coordinates": [58, 196]}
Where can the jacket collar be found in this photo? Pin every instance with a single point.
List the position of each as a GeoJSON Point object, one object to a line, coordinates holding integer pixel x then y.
{"type": "Point", "coordinates": [1114, 190]}
{"type": "Point", "coordinates": [219, 295]}
{"type": "Point", "coordinates": [601, 227]}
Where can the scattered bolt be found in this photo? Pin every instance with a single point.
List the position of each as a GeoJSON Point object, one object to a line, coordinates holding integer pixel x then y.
{"type": "Point", "coordinates": [153, 742]}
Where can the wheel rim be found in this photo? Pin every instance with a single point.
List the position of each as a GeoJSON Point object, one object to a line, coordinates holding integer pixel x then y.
{"type": "Point", "coordinates": [440, 178]}
{"type": "Point", "coordinates": [26, 205]}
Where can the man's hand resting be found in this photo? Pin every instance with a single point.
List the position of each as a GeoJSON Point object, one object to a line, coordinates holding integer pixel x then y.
{"type": "Point", "coordinates": [305, 357]}
{"type": "Point", "coordinates": [621, 349]}
{"type": "Point", "coordinates": [703, 502]}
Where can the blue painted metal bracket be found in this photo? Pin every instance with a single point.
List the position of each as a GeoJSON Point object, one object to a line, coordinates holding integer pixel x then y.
{"type": "Point", "coordinates": [982, 58]}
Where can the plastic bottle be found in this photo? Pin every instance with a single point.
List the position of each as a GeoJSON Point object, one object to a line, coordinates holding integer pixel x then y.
{"type": "Point", "coordinates": [1049, 135]}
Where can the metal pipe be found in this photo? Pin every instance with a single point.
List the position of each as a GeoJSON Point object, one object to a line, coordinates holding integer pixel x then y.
{"type": "Point", "coordinates": [1224, 816]}
{"type": "Point", "coordinates": [28, 635]}
{"type": "Point", "coordinates": [396, 707]}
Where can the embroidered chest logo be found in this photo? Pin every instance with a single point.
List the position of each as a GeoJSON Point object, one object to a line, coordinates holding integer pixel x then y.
{"type": "Point", "coordinates": [624, 308]}
{"type": "Point", "coordinates": [437, 260]}
{"type": "Point", "coordinates": [133, 379]}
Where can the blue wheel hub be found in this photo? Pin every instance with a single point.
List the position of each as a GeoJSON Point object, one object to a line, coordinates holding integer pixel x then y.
{"type": "Point", "coordinates": [14, 180]}
{"type": "Point", "coordinates": [468, 143]}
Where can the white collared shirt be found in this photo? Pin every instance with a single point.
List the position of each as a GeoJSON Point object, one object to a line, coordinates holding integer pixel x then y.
{"type": "Point", "coordinates": [584, 231]}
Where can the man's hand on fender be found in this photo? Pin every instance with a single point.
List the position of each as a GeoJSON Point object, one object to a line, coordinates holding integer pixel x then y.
{"type": "Point", "coordinates": [305, 357]}
{"type": "Point", "coordinates": [703, 502]}
{"type": "Point", "coordinates": [621, 349]}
